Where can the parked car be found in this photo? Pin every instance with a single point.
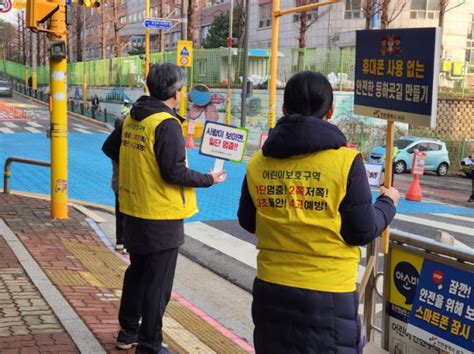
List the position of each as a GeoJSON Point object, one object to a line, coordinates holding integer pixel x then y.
{"type": "Point", "coordinates": [6, 88]}
{"type": "Point", "coordinates": [437, 157]}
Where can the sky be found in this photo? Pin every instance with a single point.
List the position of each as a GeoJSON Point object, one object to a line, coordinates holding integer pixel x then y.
{"type": "Point", "coordinates": [10, 16]}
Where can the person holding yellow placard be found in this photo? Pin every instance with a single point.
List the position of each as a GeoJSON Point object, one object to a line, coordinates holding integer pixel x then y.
{"type": "Point", "coordinates": [307, 199]}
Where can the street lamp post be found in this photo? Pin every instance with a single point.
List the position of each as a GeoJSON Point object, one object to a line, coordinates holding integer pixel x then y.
{"type": "Point", "coordinates": [147, 42]}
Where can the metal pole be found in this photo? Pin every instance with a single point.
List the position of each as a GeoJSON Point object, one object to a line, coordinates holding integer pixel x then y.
{"type": "Point", "coordinates": [34, 58]}
{"type": "Point", "coordinates": [243, 108]}
{"type": "Point", "coordinates": [183, 107]}
{"type": "Point", "coordinates": [274, 63]}
{"type": "Point", "coordinates": [84, 47]}
{"type": "Point", "coordinates": [228, 110]}
{"type": "Point", "coordinates": [147, 41]}
{"type": "Point", "coordinates": [58, 99]}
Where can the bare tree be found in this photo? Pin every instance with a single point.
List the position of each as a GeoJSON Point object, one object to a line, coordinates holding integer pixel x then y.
{"type": "Point", "coordinates": [443, 8]}
{"type": "Point", "coordinates": [117, 28]}
{"type": "Point", "coordinates": [191, 11]}
{"type": "Point", "coordinates": [305, 20]}
{"type": "Point", "coordinates": [78, 21]}
{"type": "Point", "coordinates": [389, 11]}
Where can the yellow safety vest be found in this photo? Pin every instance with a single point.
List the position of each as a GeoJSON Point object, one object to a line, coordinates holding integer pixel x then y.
{"type": "Point", "coordinates": [298, 224]}
{"type": "Point", "coordinates": [142, 191]}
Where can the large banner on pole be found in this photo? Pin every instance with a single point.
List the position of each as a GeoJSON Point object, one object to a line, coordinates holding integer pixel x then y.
{"type": "Point", "coordinates": [396, 75]}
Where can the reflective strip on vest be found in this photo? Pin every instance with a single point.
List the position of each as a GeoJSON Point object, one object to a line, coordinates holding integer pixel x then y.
{"type": "Point", "coordinates": [298, 221]}
{"type": "Point", "coordinates": [142, 191]}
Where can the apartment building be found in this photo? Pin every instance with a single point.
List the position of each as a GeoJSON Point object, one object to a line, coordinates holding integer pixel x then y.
{"type": "Point", "coordinates": [334, 26]}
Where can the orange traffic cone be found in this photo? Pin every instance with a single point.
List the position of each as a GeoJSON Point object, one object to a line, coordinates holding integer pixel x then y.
{"type": "Point", "coordinates": [414, 191]}
{"type": "Point", "coordinates": [190, 141]}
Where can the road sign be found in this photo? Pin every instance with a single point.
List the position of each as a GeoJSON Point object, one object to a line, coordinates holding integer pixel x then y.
{"type": "Point", "coordinates": [5, 6]}
{"type": "Point", "coordinates": [224, 141]}
{"type": "Point", "coordinates": [418, 166]}
{"type": "Point", "coordinates": [396, 75]}
{"type": "Point", "coordinates": [185, 53]}
{"type": "Point", "coordinates": [157, 24]}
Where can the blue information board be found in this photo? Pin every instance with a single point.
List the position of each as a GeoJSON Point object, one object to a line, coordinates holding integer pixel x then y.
{"type": "Point", "coordinates": [443, 308]}
{"type": "Point", "coordinates": [396, 74]}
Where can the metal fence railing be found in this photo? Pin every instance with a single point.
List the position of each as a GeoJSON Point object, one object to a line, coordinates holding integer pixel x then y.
{"type": "Point", "coordinates": [210, 67]}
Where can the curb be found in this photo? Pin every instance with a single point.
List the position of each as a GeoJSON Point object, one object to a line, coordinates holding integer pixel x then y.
{"type": "Point", "coordinates": [72, 323]}
{"type": "Point", "coordinates": [75, 115]}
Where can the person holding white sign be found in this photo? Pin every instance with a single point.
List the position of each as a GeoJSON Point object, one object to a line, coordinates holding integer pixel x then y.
{"type": "Point", "coordinates": [156, 192]}
{"type": "Point", "coordinates": [307, 199]}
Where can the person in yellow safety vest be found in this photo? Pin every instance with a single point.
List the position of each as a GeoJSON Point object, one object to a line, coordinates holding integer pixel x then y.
{"type": "Point", "coordinates": [156, 192]}
{"type": "Point", "coordinates": [307, 199]}
{"type": "Point", "coordinates": [125, 108]}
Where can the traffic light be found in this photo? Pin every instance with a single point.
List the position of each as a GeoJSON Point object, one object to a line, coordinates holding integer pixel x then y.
{"type": "Point", "coordinates": [39, 11]}
{"type": "Point", "coordinates": [89, 3]}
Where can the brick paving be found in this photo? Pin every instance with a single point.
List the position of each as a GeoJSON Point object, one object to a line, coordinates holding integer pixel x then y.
{"type": "Point", "coordinates": [90, 277]}
{"type": "Point", "coordinates": [27, 323]}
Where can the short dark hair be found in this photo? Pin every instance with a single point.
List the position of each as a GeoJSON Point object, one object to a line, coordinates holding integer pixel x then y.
{"type": "Point", "coordinates": [308, 93]}
{"type": "Point", "coordinates": [164, 80]}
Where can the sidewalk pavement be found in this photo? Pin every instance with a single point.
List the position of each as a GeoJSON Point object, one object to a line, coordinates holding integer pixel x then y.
{"type": "Point", "coordinates": [60, 288]}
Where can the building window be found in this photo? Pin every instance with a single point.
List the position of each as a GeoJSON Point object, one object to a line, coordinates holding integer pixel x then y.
{"type": "Point", "coordinates": [123, 20]}
{"type": "Point", "coordinates": [353, 9]}
{"type": "Point", "coordinates": [310, 15]}
{"type": "Point", "coordinates": [265, 15]}
{"type": "Point", "coordinates": [424, 9]}
{"type": "Point", "coordinates": [470, 41]}
{"type": "Point", "coordinates": [202, 68]}
{"type": "Point", "coordinates": [205, 31]}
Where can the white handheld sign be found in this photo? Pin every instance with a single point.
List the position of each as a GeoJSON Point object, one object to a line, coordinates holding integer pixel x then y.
{"type": "Point", "coordinates": [224, 141]}
{"type": "Point", "coordinates": [374, 174]}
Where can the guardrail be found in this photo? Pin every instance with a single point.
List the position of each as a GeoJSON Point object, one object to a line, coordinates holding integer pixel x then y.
{"type": "Point", "coordinates": [407, 273]}
{"type": "Point", "coordinates": [7, 169]}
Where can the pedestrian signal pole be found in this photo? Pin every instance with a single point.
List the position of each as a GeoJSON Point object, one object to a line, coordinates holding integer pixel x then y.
{"type": "Point", "coordinates": [59, 142]}
{"type": "Point", "coordinates": [38, 12]}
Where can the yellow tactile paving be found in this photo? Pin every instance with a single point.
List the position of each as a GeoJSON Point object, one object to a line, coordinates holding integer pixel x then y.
{"type": "Point", "coordinates": [188, 342]}
{"type": "Point", "coordinates": [183, 329]}
{"type": "Point", "coordinates": [91, 279]}
{"type": "Point", "coordinates": [66, 277]}
{"type": "Point", "coordinates": [201, 329]}
{"type": "Point", "coordinates": [106, 268]}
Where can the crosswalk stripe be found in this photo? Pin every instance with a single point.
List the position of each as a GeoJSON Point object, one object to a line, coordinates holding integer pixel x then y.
{"type": "Point", "coordinates": [231, 246]}
{"type": "Point", "coordinates": [10, 125]}
{"type": "Point", "coordinates": [82, 131]}
{"type": "Point", "coordinates": [456, 217]}
{"type": "Point", "coordinates": [33, 130]}
{"type": "Point", "coordinates": [6, 130]}
{"type": "Point", "coordinates": [378, 308]}
{"type": "Point", "coordinates": [235, 248]}
{"type": "Point", "coordinates": [79, 125]}
{"type": "Point", "coordinates": [436, 224]}
{"type": "Point", "coordinates": [34, 124]}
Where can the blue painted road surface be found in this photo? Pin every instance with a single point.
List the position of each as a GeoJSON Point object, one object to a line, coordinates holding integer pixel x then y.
{"type": "Point", "coordinates": [90, 174]}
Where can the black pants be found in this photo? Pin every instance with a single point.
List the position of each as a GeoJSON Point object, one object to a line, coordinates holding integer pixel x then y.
{"type": "Point", "coordinates": [146, 292]}
{"type": "Point", "coordinates": [118, 222]}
